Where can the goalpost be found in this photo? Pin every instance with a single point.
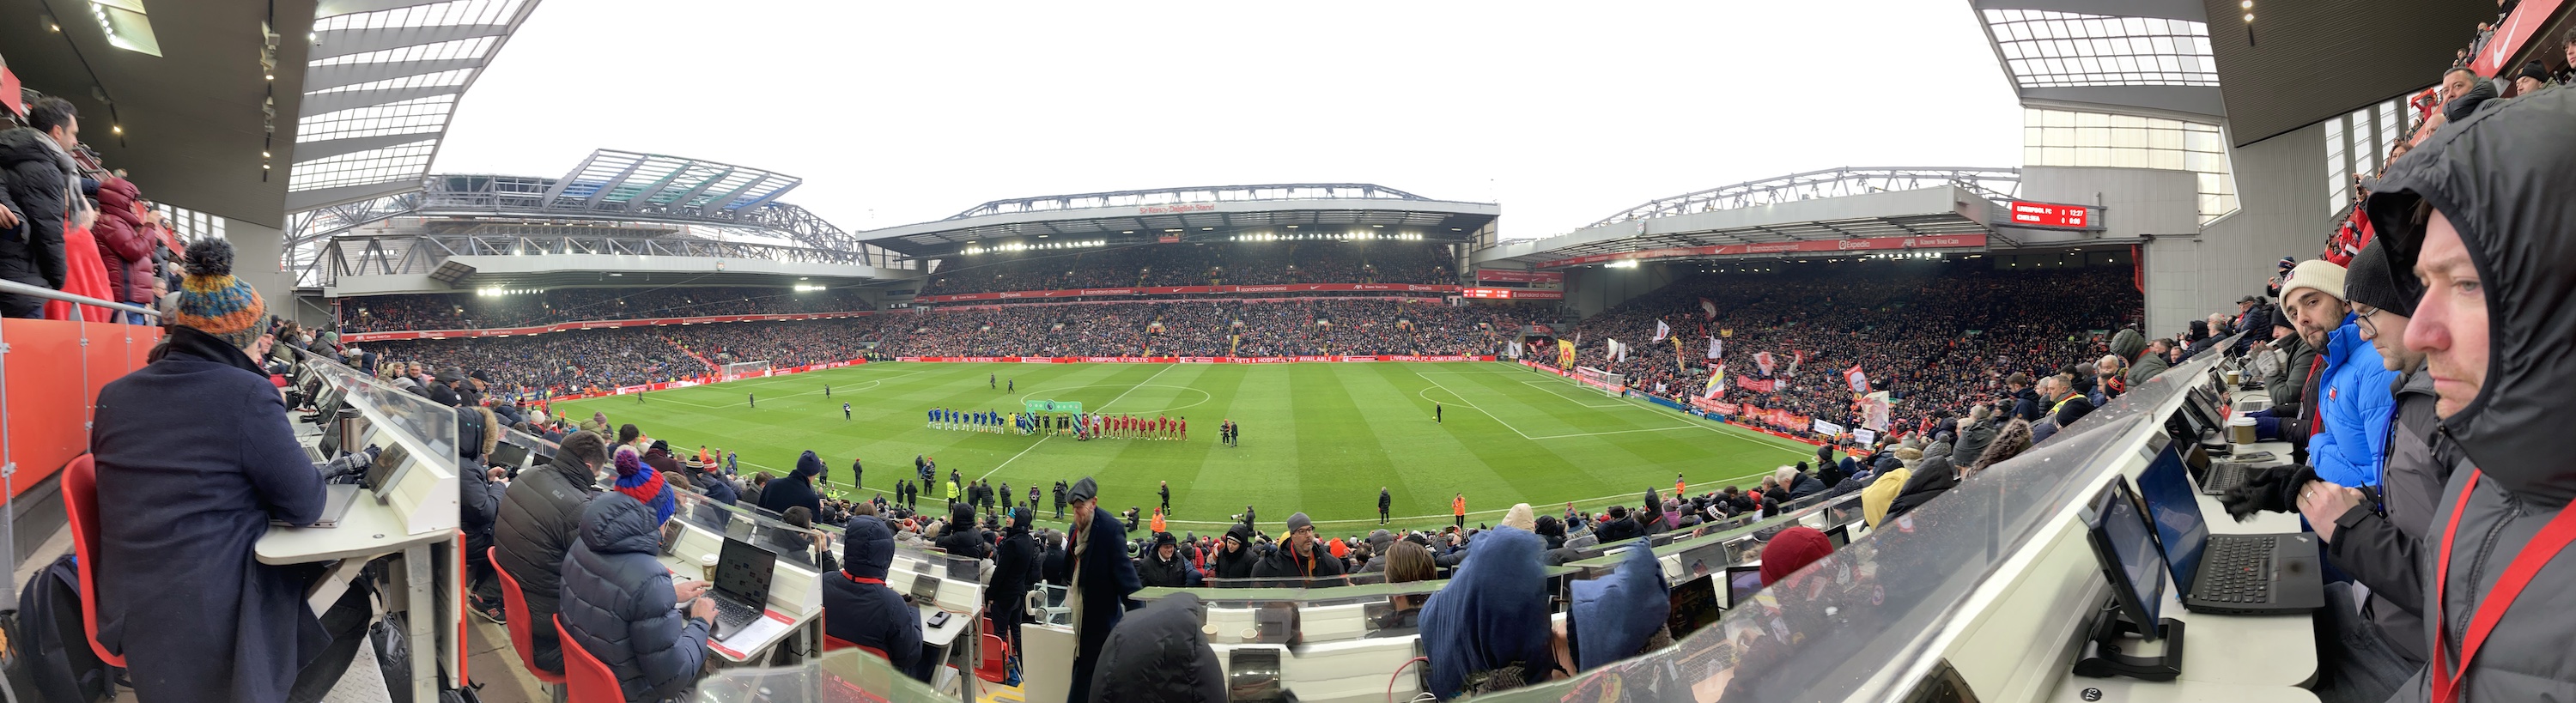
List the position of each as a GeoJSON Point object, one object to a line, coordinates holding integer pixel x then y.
{"type": "Point", "coordinates": [1610, 384]}
{"type": "Point", "coordinates": [743, 369]}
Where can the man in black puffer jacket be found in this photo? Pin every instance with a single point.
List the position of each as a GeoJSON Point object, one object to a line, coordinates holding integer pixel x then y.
{"type": "Point", "coordinates": [859, 608]}
{"type": "Point", "coordinates": [618, 602]}
{"type": "Point", "coordinates": [540, 518]}
{"type": "Point", "coordinates": [1159, 654]}
{"type": "Point", "coordinates": [1015, 571]}
{"type": "Point", "coordinates": [36, 191]}
{"type": "Point", "coordinates": [479, 505]}
{"type": "Point", "coordinates": [1161, 567]}
{"type": "Point", "coordinates": [960, 537]}
{"type": "Point", "coordinates": [797, 489]}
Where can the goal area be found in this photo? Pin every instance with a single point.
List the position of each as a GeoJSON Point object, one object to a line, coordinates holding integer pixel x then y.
{"type": "Point", "coordinates": [743, 369]}
{"type": "Point", "coordinates": [1608, 383]}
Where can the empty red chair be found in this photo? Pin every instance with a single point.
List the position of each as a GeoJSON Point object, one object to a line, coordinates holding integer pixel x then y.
{"type": "Point", "coordinates": [80, 498]}
{"type": "Point", "coordinates": [514, 606]}
{"type": "Point", "coordinates": [586, 678]}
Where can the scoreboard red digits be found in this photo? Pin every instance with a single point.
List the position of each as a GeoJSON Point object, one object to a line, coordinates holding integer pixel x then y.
{"type": "Point", "coordinates": [2049, 215]}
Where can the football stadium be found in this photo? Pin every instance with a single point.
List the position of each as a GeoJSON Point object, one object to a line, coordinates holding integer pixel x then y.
{"type": "Point", "coordinates": [506, 351]}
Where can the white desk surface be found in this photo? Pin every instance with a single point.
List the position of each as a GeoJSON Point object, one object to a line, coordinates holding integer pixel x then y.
{"type": "Point", "coordinates": [368, 529]}
{"type": "Point", "coordinates": [2073, 689]}
{"type": "Point", "coordinates": [684, 569]}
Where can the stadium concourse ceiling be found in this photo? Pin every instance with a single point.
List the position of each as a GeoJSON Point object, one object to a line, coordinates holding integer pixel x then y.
{"type": "Point", "coordinates": [1191, 214]}
{"type": "Point", "coordinates": [2299, 63]}
{"type": "Point", "coordinates": [251, 110]}
{"type": "Point", "coordinates": [2136, 56]}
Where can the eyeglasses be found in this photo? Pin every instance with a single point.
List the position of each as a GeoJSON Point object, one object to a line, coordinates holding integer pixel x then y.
{"type": "Point", "coordinates": [2362, 320]}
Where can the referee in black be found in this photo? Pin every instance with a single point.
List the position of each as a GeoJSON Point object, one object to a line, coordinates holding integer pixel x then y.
{"type": "Point", "coordinates": [1383, 500]}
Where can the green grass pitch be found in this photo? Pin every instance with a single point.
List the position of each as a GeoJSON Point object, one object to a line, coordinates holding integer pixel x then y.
{"type": "Point", "coordinates": [1317, 437]}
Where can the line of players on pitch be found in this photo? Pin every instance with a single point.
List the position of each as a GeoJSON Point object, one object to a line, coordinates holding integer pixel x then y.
{"type": "Point", "coordinates": [1082, 426]}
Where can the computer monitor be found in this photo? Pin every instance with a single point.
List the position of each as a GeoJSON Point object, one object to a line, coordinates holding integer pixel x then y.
{"type": "Point", "coordinates": [388, 469]}
{"type": "Point", "coordinates": [743, 570]}
{"type": "Point", "coordinates": [1695, 605]}
{"type": "Point", "coordinates": [2174, 507]}
{"type": "Point", "coordinates": [1839, 536]}
{"type": "Point", "coordinates": [2126, 548]}
{"type": "Point", "coordinates": [509, 455]}
{"type": "Point", "coordinates": [1741, 583]}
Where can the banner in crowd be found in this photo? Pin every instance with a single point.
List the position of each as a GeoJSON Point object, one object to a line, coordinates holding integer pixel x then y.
{"type": "Point", "coordinates": [1514, 276]}
{"type": "Point", "coordinates": [1946, 241]}
{"type": "Point", "coordinates": [1859, 381]}
{"type": "Point", "coordinates": [1762, 361]}
{"type": "Point", "coordinates": [358, 337]}
{"type": "Point", "coordinates": [1758, 385]}
{"type": "Point", "coordinates": [1716, 382]}
{"type": "Point", "coordinates": [1715, 406]}
{"type": "Point", "coordinates": [1826, 428]}
{"type": "Point", "coordinates": [1191, 290]}
{"type": "Point", "coordinates": [1716, 349]}
{"type": "Point", "coordinates": [1661, 331]}
{"type": "Point", "coordinates": [1564, 354]}
{"type": "Point", "coordinates": [1678, 358]}
{"type": "Point", "coordinates": [1864, 436]}
{"type": "Point", "coordinates": [1874, 410]}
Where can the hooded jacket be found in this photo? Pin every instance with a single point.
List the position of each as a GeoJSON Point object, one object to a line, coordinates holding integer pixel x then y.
{"type": "Point", "coordinates": [2499, 178]}
{"type": "Point", "coordinates": [2127, 343]}
{"type": "Point", "coordinates": [1613, 617]}
{"type": "Point", "coordinates": [194, 457]}
{"type": "Point", "coordinates": [618, 605]}
{"type": "Point", "coordinates": [38, 188]}
{"type": "Point", "coordinates": [860, 608]}
{"type": "Point", "coordinates": [1972, 443]}
{"type": "Point", "coordinates": [1930, 480]}
{"type": "Point", "coordinates": [1159, 654]}
{"type": "Point", "coordinates": [124, 242]}
{"type": "Point", "coordinates": [540, 518]}
{"type": "Point", "coordinates": [961, 537]}
{"type": "Point", "coordinates": [796, 489]}
{"type": "Point", "coordinates": [2353, 405]}
{"type": "Point", "coordinates": [1237, 564]}
{"type": "Point", "coordinates": [2382, 550]}
{"type": "Point", "coordinates": [1492, 615]}
{"type": "Point", "coordinates": [1015, 569]}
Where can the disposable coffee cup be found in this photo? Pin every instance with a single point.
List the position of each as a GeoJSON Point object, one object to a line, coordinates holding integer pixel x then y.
{"type": "Point", "coordinates": [2232, 377]}
{"type": "Point", "coordinates": [706, 566]}
{"type": "Point", "coordinates": [2241, 429]}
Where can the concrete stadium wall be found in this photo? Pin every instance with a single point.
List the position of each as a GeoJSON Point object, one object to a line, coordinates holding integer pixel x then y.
{"type": "Point", "coordinates": [2281, 184]}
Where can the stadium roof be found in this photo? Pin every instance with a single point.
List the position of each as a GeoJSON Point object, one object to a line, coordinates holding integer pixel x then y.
{"type": "Point", "coordinates": [1137, 216]}
{"type": "Point", "coordinates": [380, 83]}
{"type": "Point", "coordinates": [2128, 55]}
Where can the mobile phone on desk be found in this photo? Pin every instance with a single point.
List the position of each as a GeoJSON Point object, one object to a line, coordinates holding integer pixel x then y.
{"type": "Point", "coordinates": [938, 619]}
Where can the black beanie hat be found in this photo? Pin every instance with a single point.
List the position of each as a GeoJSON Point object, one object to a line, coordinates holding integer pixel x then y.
{"type": "Point", "coordinates": [2374, 281]}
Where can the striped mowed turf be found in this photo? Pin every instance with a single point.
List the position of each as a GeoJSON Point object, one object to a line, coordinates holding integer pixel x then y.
{"type": "Point", "coordinates": [1317, 437]}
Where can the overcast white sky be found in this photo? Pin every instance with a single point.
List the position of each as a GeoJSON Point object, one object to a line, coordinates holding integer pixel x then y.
{"type": "Point", "coordinates": [896, 113]}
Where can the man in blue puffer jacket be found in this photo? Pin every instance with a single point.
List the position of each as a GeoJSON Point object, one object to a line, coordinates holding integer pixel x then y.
{"type": "Point", "coordinates": [617, 601]}
{"type": "Point", "coordinates": [2353, 404]}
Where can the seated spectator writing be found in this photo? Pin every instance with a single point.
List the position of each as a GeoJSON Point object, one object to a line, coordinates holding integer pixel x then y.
{"type": "Point", "coordinates": [618, 600]}
{"type": "Point", "coordinates": [859, 608]}
{"type": "Point", "coordinates": [194, 457]}
{"type": "Point", "coordinates": [540, 518]}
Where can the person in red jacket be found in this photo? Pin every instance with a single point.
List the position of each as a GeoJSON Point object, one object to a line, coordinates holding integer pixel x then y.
{"type": "Point", "coordinates": [125, 242]}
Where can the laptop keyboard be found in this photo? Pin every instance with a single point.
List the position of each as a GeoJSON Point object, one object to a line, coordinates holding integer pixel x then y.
{"type": "Point", "coordinates": [732, 616]}
{"type": "Point", "coordinates": [2240, 571]}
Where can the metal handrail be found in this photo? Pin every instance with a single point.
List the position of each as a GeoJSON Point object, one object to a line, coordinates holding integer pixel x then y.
{"type": "Point", "coordinates": [16, 288]}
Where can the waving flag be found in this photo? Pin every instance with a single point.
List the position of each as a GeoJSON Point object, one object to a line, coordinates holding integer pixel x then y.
{"type": "Point", "coordinates": [1716, 349]}
{"type": "Point", "coordinates": [1618, 352]}
{"type": "Point", "coordinates": [1762, 361]}
{"type": "Point", "coordinates": [1677, 355]}
{"type": "Point", "coordinates": [1564, 354]}
{"type": "Point", "coordinates": [1796, 357]}
{"type": "Point", "coordinates": [1859, 381]}
{"type": "Point", "coordinates": [1716, 382]}
{"type": "Point", "coordinates": [1707, 309]}
{"type": "Point", "coordinates": [1661, 331]}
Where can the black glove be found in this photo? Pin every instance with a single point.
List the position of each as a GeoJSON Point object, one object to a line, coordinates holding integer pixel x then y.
{"type": "Point", "coordinates": [2276, 489]}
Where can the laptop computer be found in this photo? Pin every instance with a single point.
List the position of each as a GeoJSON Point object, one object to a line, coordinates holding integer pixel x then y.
{"type": "Point", "coordinates": [1742, 582]}
{"type": "Point", "coordinates": [1839, 536]}
{"type": "Point", "coordinates": [1695, 605]}
{"type": "Point", "coordinates": [2265, 574]}
{"type": "Point", "coordinates": [741, 588]}
{"type": "Point", "coordinates": [2125, 546]}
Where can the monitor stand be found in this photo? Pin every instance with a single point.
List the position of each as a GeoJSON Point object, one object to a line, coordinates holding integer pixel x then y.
{"type": "Point", "coordinates": [2109, 629]}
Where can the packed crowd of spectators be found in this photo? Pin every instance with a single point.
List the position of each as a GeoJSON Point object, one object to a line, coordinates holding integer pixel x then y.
{"type": "Point", "coordinates": [70, 224]}
{"type": "Point", "coordinates": [1195, 264]}
{"type": "Point", "coordinates": [1935, 335]}
{"type": "Point", "coordinates": [1201, 328]}
{"type": "Point", "coordinates": [458, 311]}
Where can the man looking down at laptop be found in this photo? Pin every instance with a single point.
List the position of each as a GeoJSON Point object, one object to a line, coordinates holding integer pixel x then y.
{"type": "Point", "coordinates": [194, 457]}
{"type": "Point", "coordinates": [619, 601]}
{"type": "Point", "coordinates": [2486, 196]}
{"type": "Point", "coordinates": [540, 518]}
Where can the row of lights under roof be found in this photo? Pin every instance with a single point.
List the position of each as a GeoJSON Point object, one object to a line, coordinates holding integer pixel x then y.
{"type": "Point", "coordinates": [1357, 235]}
{"type": "Point", "coordinates": [1083, 244]}
{"type": "Point", "coordinates": [497, 291]}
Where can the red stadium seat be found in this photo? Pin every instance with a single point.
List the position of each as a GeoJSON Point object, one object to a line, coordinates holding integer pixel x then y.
{"type": "Point", "coordinates": [80, 498]}
{"type": "Point", "coordinates": [588, 679]}
{"type": "Point", "coordinates": [514, 606]}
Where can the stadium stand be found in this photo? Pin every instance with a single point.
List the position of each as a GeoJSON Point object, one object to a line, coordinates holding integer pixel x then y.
{"type": "Point", "coordinates": [1195, 265]}
{"type": "Point", "coordinates": [463, 311]}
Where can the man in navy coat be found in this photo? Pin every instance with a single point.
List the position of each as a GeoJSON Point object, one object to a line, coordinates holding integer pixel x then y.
{"type": "Point", "coordinates": [194, 457]}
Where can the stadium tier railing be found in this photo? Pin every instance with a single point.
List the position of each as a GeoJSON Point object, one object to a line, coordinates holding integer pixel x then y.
{"type": "Point", "coordinates": [50, 375]}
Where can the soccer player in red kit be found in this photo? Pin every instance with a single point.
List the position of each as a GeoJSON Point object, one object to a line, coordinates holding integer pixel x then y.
{"type": "Point", "coordinates": [1184, 425]}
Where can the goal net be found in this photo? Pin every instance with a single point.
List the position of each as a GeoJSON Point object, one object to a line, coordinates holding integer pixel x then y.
{"type": "Point", "coordinates": [743, 369]}
{"type": "Point", "coordinates": [1609, 383]}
